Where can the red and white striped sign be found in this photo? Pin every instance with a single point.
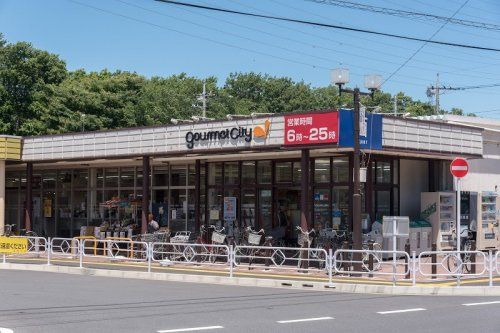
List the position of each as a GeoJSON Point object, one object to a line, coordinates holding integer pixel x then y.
{"type": "Point", "coordinates": [459, 167]}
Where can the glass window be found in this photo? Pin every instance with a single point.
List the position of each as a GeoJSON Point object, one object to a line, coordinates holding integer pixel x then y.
{"type": "Point", "coordinates": [265, 210]}
{"type": "Point", "coordinates": [395, 171]}
{"type": "Point", "coordinates": [100, 178]}
{"type": "Point", "coordinates": [383, 204]}
{"type": "Point", "coordinates": [64, 214]}
{"type": "Point", "coordinates": [191, 222]}
{"type": "Point", "coordinates": [340, 169]}
{"type": "Point", "coordinates": [383, 172]}
{"type": "Point", "coordinates": [283, 172]}
{"type": "Point", "coordinates": [160, 176]}
{"type": "Point", "coordinates": [248, 172]}
{"type": "Point", "coordinates": [178, 175]}
{"type": "Point", "coordinates": [64, 180]}
{"type": "Point", "coordinates": [214, 205]}
{"type": "Point", "coordinates": [138, 178]}
{"type": "Point", "coordinates": [297, 172]}
{"type": "Point", "coordinates": [215, 174]}
{"type": "Point", "coordinates": [80, 178]}
{"type": "Point", "coordinates": [322, 208]}
{"type": "Point", "coordinates": [340, 208]}
{"type": "Point", "coordinates": [322, 170]}
{"type": "Point", "coordinates": [231, 174]}
{"type": "Point", "coordinates": [111, 178]}
{"type": "Point", "coordinates": [191, 174]}
{"type": "Point", "coordinates": [49, 180]}
{"type": "Point", "coordinates": [264, 172]}
{"type": "Point", "coordinates": [248, 208]}
{"type": "Point", "coordinates": [12, 180]}
{"type": "Point", "coordinates": [127, 177]}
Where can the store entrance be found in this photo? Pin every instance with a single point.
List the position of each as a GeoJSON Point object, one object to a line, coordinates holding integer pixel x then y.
{"type": "Point", "coordinates": [287, 211]}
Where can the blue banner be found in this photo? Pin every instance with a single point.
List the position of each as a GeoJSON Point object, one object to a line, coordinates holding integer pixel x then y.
{"type": "Point", "coordinates": [371, 126]}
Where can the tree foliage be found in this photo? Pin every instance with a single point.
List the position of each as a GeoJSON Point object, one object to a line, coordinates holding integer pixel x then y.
{"type": "Point", "coordinates": [38, 95]}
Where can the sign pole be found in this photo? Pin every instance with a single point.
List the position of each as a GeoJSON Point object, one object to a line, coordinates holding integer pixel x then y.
{"type": "Point", "coordinates": [459, 258]}
{"type": "Point", "coordinates": [394, 249]}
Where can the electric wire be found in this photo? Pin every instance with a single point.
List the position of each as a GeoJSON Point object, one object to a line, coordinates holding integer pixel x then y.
{"type": "Point", "coordinates": [423, 45]}
{"type": "Point", "coordinates": [332, 26]}
{"type": "Point", "coordinates": [408, 14]}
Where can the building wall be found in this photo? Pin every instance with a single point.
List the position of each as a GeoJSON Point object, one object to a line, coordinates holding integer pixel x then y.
{"type": "Point", "coordinates": [484, 173]}
{"type": "Point", "coordinates": [414, 179]}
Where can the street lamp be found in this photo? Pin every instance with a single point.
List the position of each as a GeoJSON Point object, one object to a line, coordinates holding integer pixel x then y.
{"type": "Point", "coordinates": [340, 77]}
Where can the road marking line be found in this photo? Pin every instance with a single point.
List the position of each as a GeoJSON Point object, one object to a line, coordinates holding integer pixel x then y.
{"type": "Point", "coordinates": [303, 320]}
{"type": "Point", "coordinates": [482, 303]}
{"type": "Point", "coordinates": [400, 311]}
{"type": "Point", "coordinates": [191, 329]}
{"type": "Point", "coordinates": [6, 330]}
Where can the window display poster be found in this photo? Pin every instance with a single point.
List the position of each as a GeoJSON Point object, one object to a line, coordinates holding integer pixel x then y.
{"type": "Point", "coordinates": [229, 208]}
{"type": "Point", "coordinates": [47, 207]}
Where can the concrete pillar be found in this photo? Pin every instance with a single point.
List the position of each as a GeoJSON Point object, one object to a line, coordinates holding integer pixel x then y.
{"type": "Point", "coordinates": [2, 196]}
{"type": "Point", "coordinates": [145, 193]}
{"type": "Point", "coordinates": [28, 213]}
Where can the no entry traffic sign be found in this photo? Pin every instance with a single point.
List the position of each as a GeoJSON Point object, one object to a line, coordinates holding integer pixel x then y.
{"type": "Point", "coordinates": [459, 167]}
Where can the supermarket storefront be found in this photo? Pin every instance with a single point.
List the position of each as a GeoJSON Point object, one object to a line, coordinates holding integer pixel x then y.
{"type": "Point", "coordinates": [279, 169]}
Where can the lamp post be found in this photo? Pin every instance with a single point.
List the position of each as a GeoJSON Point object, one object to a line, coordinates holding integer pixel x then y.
{"type": "Point", "coordinates": [340, 77]}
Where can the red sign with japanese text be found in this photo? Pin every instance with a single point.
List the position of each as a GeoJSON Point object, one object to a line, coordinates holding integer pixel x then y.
{"type": "Point", "coordinates": [312, 128]}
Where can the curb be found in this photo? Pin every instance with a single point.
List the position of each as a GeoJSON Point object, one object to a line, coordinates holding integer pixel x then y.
{"type": "Point", "coordinates": [267, 283]}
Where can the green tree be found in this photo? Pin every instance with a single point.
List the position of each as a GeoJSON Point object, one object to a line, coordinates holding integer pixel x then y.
{"type": "Point", "coordinates": [27, 80]}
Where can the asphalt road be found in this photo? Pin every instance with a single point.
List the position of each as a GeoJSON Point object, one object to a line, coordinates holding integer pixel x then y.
{"type": "Point", "coordinates": [51, 302]}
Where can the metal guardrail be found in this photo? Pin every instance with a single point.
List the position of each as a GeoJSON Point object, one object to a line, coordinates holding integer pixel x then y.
{"type": "Point", "coordinates": [210, 254]}
{"type": "Point", "coordinates": [343, 262]}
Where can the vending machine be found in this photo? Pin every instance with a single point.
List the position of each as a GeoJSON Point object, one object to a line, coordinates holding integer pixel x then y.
{"type": "Point", "coordinates": [488, 231]}
{"type": "Point", "coordinates": [439, 209]}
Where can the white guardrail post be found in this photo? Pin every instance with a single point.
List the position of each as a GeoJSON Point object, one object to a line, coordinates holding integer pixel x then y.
{"type": "Point", "coordinates": [490, 268]}
{"type": "Point", "coordinates": [414, 268]}
{"type": "Point", "coordinates": [230, 258]}
{"type": "Point", "coordinates": [81, 246]}
{"type": "Point", "coordinates": [4, 261]}
{"type": "Point", "coordinates": [149, 247]}
{"type": "Point", "coordinates": [330, 267]}
{"type": "Point", "coordinates": [48, 248]}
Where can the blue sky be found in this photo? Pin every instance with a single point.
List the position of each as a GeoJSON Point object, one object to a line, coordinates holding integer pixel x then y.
{"type": "Point", "coordinates": [152, 38]}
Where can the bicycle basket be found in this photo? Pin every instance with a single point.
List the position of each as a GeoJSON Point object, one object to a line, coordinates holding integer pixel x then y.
{"type": "Point", "coordinates": [304, 240]}
{"type": "Point", "coordinates": [254, 239]}
{"type": "Point", "coordinates": [218, 238]}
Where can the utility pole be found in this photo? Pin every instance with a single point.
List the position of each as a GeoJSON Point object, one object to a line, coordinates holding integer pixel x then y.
{"type": "Point", "coordinates": [356, 204]}
{"type": "Point", "coordinates": [437, 94]}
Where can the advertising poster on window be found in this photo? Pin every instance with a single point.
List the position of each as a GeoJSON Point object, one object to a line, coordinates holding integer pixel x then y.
{"type": "Point", "coordinates": [229, 208]}
{"type": "Point", "coordinates": [312, 128]}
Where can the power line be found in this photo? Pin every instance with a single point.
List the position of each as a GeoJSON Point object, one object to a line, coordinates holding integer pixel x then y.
{"type": "Point", "coordinates": [325, 25]}
{"type": "Point", "coordinates": [408, 14]}
{"type": "Point", "coordinates": [424, 44]}
{"type": "Point", "coordinates": [467, 87]}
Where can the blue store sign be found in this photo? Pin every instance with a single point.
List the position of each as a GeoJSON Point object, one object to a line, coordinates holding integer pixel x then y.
{"type": "Point", "coordinates": [370, 136]}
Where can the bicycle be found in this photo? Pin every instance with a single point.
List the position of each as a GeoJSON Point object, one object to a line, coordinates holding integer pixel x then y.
{"type": "Point", "coordinates": [464, 264]}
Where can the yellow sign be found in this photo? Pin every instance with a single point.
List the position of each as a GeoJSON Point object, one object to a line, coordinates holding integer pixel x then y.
{"type": "Point", "coordinates": [13, 245]}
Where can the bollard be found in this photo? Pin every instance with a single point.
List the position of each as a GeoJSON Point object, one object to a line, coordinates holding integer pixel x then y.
{"type": "Point", "coordinates": [81, 245]}
{"type": "Point", "coordinates": [370, 259]}
{"type": "Point", "coordinates": [434, 260]}
{"type": "Point", "coordinates": [149, 253]}
{"type": "Point", "coordinates": [407, 264]}
{"type": "Point", "coordinates": [490, 269]}
{"type": "Point", "coordinates": [49, 250]}
{"type": "Point", "coordinates": [330, 268]}
{"type": "Point", "coordinates": [473, 257]}
{"type": "Point", "coordinates": [230, 259]}
{"type": "Point", "coordinates": [414, 268]}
